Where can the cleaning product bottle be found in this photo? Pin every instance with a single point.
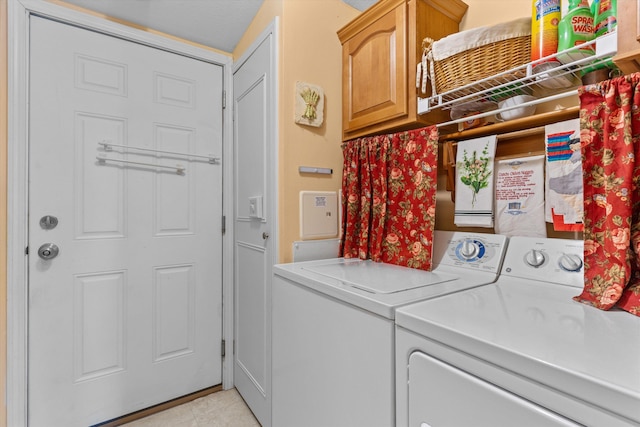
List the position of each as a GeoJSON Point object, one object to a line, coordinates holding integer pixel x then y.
{"type": "Point", "coordinates": [575, 29]}
{"type": "Point", "coordinates": [605, 18]}
{"type": "Point", "coordinates": [604, 21]}
{"type": "Point", "coordinates": [594, 7]}
{"type": "Point", "coordinates": [545, 16]}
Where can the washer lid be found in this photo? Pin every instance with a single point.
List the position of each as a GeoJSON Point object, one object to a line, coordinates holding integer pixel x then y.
{"type": "Point", "coordinates": [378, 287]}
{"type": "Point", "coordinates": [378, 278]}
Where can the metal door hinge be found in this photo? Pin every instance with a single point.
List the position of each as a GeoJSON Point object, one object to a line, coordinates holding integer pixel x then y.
{"type": "Point", "coordinates": [224, 99]}
{"type": "Point", "coordinates": [224, 224]}
{"type": "Point", "coordinates": [223, 348]}
{"type": "Point", "coordinates": [26, 250]}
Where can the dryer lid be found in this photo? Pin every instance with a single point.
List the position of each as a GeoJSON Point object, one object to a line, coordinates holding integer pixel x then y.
{"type": "Point", "coordinates": [535, 330]}
{"type": "Point", "coordinates": [378, 277]}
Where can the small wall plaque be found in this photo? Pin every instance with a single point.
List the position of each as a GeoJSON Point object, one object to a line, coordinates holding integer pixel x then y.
{"type": "Point", "coordinates": [309, 105]}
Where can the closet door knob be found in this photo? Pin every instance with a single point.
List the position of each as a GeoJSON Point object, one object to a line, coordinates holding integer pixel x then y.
{"type": "Point", "coordinates": [48, 251]}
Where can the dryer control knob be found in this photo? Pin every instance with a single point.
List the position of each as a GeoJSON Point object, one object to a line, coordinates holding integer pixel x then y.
{"type": "Point", "coordinates": [570, 262]}
{"type": "Point", "coordinates": [469, 249]}
{"type": "Point", "coordinates": [535, 258]}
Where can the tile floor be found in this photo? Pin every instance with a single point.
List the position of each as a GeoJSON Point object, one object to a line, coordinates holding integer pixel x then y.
{"type": "Point", "coordinates": [221, 409]}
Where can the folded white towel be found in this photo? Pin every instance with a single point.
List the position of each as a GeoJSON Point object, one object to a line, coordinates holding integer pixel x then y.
{"type": "Point", "coordinates": [474, 182]}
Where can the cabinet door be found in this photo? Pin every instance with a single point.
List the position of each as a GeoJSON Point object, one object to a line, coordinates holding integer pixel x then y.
{"type": "Point", "coordinates": [374, 72]}
{"type": "Point", "coordinates": [628, 57]}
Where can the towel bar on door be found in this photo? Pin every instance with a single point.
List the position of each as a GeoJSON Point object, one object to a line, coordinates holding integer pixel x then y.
{"type": "Point", "coordinates": [108, 146]}
{"type": "Point", "coordinates": [179, 168]}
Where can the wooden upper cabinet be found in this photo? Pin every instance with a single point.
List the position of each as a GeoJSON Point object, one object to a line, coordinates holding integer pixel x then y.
{"type": "Point", "coordinates": [628, 27]}
{"type": "Point", "coordinates": [380, 51]}
{"type": "Point", "coordinates": [376, 72]}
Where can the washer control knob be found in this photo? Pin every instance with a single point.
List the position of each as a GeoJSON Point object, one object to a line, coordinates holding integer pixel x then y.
{"type": "Point", "coordinates": [469, 249]}
{"type": "Point", "coordinates": [535, 258]}
{"type": "Point", "coordinates": [570, 262]}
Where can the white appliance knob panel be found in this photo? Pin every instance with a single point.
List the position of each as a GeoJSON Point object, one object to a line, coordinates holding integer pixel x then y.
{"type": "Point", "coordinates": [470, 250]}
{"type": "Point", "coordinates": [535, 258]}
{"type": "Point", "coordinates": [570, 262]}
{"type": "Point", "coordinates": [447, 246]}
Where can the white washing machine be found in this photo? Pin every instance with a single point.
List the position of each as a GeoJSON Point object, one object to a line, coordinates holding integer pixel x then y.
{"type": "Point", "coordinates": [520, 351]}
{"type": "Point", "coordinates": [333, 335]}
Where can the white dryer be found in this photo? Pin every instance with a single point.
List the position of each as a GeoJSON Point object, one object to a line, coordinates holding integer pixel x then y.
{"type": "Point", "coordinates": [333, 333]}
{"type": "Point", "coordinates": [519, 352]}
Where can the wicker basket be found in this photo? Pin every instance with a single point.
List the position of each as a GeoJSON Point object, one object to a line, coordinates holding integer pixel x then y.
{"type": "Point", "coordinates": [480, 62]}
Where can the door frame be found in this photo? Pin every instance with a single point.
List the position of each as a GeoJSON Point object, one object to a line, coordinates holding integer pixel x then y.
{"type": "Point", "coordinates": [19, 12]}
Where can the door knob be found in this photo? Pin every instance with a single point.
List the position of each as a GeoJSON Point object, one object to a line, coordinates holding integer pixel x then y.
{"type": "Point", "coordinates": [265, 235]}
{"type": "Point", "coordinates": [48, 251]}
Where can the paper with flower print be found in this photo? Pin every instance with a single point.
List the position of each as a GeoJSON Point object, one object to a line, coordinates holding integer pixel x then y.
{"type": "Point", "coordinates": [474, 182]}
{"type": "Point", "coordinates": [610, 142]}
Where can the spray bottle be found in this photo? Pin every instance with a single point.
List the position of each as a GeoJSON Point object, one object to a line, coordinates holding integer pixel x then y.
{"type": "Point", "coordinates": [575, 29]}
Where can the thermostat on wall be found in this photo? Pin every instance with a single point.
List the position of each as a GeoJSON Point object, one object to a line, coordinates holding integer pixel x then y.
{"type": "Point", "coordinates": [318, 214]}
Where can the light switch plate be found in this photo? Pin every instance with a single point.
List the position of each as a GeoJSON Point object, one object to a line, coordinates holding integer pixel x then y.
{"type": "Point", "coordinates": [255, 207]}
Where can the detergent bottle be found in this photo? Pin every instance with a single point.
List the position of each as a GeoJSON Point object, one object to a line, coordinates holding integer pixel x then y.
{"type": "Point", "coordinates": [604, 21]}
{"type": "Point", "coordinates": [545, 17]}
{"type": "Point", "coordinates": [575, 29]}
{"type": "Point", "coordinates": [605, 18]}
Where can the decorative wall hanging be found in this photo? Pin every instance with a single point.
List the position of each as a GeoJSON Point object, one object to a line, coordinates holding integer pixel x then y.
{"type": "Point", "coordinates": [474, 182]}
{"type": "Point", "coordinates": [564, 190]}
{"type": "Point", "coordinates": [309, 104]}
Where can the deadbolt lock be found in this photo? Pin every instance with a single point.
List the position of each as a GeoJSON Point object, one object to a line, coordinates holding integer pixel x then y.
{"type": "Point", "coordinates": [48, 222]}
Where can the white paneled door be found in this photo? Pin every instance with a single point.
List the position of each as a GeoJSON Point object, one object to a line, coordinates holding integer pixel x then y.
{"type": "Point", "coordinates": [129, 313]}
{"type": "Point", "coordinates": [255, 142]}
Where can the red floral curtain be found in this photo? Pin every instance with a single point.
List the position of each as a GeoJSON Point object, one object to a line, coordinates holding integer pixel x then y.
{"type": "Point", "coordinates": [610, 139]}
{"type": "Point", "coordinates": [389, 197]}
{"type": "Point", "coordinates": [364, 192]}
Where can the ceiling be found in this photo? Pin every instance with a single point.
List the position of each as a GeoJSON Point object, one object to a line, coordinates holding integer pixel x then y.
{"type": "Point", "coordinates": [216, 23]}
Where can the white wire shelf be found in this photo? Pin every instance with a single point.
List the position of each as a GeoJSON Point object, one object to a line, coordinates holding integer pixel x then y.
{"type": "Point", "coordinates": [545, 85]}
